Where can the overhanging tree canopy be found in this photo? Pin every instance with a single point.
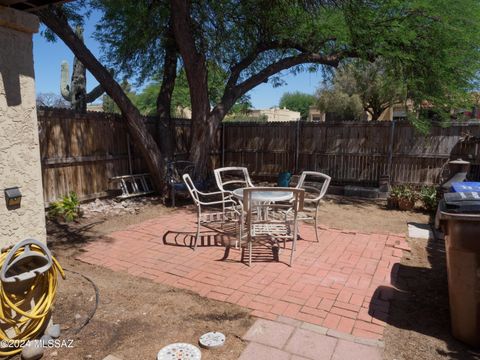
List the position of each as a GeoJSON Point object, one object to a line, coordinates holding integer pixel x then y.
{"type": "Point", "coordinates": [432, 45]}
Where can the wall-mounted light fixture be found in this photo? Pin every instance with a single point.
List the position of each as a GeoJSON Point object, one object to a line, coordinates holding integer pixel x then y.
{"type": "Point", "coordinates": [13, 197]}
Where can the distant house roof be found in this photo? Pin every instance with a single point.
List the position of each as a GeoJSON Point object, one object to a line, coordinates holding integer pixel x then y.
{"type": "Point", "coordinates": [30, 5]}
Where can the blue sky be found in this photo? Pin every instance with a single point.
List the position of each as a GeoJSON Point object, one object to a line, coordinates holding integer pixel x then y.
{"type": "Point", "coordinates": [49, 56]}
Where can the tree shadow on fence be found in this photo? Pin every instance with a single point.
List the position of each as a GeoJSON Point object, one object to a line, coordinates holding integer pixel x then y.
{"type": "Point", "coordinates": [419, 303]}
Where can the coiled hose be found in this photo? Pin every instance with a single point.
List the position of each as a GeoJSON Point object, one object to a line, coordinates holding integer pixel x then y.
{"type": "Point", "coordinates": [26, 324]}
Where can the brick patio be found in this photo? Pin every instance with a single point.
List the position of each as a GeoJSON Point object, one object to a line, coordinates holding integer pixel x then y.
{"type": "Point", "coordinates": [342, 283]}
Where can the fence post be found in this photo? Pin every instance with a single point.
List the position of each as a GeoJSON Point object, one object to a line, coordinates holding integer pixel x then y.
{"type": "Point", "coordinates": [390, 151]}
{"type": "Point", "coordinates": [129, 154]}
{"type": "Point", "coordinates": [297, 145]}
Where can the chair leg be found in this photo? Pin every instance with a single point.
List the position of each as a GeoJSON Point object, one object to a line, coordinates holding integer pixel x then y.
{"type": "Point", "coordinates": [293, 249]}
{"type": "Point", "coordinates": [294, 245]}
{"type": "Point", "coordinates": [197, 235]}
{"type": "Point", "coordinates": [294, 242]}
{"type": "Point", "coordinates": [240, 233]}
{"type": "Point", "coordinates": [315, 224]}
{"type": "Point", "coordinates": [250, 246]}
{"type": "Point", "coordinates": [226, 253]}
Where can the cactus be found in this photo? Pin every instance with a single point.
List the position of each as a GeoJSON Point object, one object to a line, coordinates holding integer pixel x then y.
{"type": "Point", "coordinates": [76, 91]}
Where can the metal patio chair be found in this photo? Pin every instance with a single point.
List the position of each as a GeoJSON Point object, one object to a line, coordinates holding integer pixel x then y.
{"type": "Point", "coordinates": [175, 171]}
{"type": "Point", "coordinates": [208, 218]}
{"type": "Point", "coordinates": [315, 185]}
{"type": "Point", "coordinates": [270, 229]}
{"type": "Point", "coordinates": [231, 178]}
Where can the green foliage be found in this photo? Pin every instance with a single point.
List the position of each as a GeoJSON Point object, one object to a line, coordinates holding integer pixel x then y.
{"type": "Point", "coordinates": [360, 87]}
{"type": "Point", "coordinates": [245, 118]}
{"type": "Point", "coordinates": [345, 106]}
{"type": "Point", "coordinates": [430, 45]}
{"type": "Point", "coordinates": [297, 101]}
{"type": "Point", "coordinates": [131, 34]}
{"type": "Point", "coordinates": [429, 196]}
{"type": "Point", "coordinates": [68, 208]}
{"type": "Point", "coordinates": [109, 106]}
{"type": "Point", "coordinates": [147, 98]}
{"type": "Point", "coordinates": [404, 191]}
{"type": "Point", "coordinates": [402, 197]}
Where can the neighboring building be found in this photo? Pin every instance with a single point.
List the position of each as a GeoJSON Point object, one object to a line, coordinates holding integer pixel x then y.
{"type": "Point", "coordinates": [275, 114]}
{"type": "Point", "coordinates": [95, 107]}
{"type": "Point", "coordinates": [314, 114]}
{"type": "Point", "coordinates": [183, 113]}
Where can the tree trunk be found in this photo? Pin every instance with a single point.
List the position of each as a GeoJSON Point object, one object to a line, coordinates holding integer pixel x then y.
{"type": "Point", "coordinates": [164, 99]}
{"type": "Point", "coordinates": [203, 124]}
{"type": "Point", "coordinates": [203, 141]}
{"type": "Point", "coordinates": [165, 124]}
{"type": "Point", "coordinates": [56, 21]}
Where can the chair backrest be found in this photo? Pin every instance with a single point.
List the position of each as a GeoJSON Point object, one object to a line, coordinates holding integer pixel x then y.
{"type": "Point", "coordinates": [231, 178]}
{"type": "Point", "coordinates": [251, 203]}
{"type": "Point", "coordinates": [191, 188]}
{"type": "Point", "coordinates": [314, 177]}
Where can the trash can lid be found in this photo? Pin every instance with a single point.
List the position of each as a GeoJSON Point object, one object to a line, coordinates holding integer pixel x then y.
{"type": "Point", "coordinates": [466, 186]}
{"type": "Point", "coordinates": [462, 202]}
{"type": "Point", "coordinates": [459, 161]}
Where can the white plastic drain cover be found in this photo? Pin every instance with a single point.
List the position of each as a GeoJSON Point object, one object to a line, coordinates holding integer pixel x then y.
{"type": "Point", "coordinates": [179, 351]}
{"type": "Point", "coordinates": [212, 340]}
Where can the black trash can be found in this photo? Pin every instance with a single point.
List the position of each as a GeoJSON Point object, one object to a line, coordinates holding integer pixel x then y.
{"type": "Point", "coordinates": [460, 221]}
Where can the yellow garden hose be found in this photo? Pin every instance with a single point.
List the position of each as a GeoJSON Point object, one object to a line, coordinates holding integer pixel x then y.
{"type": "Point", "coordinates": [26, 324]}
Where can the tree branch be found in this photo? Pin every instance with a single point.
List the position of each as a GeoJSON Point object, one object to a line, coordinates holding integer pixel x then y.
{"type": "Point", "coordinates": [94, 94]}
{"type": "Point", "coordinates": [55, 19]}
{"type": "Point", "coordinates": [262, 47]}
{"type": "Point", "coordinates": [234, 92]}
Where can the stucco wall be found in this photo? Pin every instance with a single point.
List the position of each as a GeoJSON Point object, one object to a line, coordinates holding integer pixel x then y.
{"type": "Point", "coordinates": [19, 143]}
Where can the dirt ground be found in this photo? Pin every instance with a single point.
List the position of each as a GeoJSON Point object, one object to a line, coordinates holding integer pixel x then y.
{"type": "Point", "coordinates": [366, 215]}
{"type": "Point", "coordinates": [136, 317]}
{"type": "Point", "coordinates": [419, 322]}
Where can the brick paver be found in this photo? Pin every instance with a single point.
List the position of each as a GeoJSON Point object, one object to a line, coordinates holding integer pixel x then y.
{"type": "Point", "coordinates": [342, 283]}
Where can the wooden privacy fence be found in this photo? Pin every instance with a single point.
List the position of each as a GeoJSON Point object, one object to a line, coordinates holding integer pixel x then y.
{"type": "Point", "coordinates": [82, 152]}
{"type": "Point", "coordinates": [350, 152]}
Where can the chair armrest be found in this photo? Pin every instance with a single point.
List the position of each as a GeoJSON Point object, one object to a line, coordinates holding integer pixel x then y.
{"type": "Point", "coordinates": [206, 203]}
{"type": "Point", "coordinates": [311, 189]}
{"type": "Point", "coordinates": [210, 193]}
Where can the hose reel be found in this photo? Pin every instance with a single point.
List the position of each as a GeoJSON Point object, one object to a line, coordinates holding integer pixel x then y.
{"type": "Point", "coordinates": [28, 282]}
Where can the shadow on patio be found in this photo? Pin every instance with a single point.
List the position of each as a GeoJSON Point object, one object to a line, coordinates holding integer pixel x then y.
{"type": "Point", "coordinates": [419, 304]}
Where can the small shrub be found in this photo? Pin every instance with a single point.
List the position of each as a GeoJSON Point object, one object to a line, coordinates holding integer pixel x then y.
{"type": "Point", "coordinates": [402, 197]}
{"type": "Point", "coordinates": [429, 197]}
{"type": "Point", "coordinates": [68, 208]}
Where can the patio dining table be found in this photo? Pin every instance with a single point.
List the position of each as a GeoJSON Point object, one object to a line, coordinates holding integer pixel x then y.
{"type": "Point", "coordinates": [264, 197]}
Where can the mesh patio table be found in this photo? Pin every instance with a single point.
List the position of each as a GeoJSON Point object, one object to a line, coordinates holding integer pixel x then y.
{"type": "Point", "coordinates": [265, 197]}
